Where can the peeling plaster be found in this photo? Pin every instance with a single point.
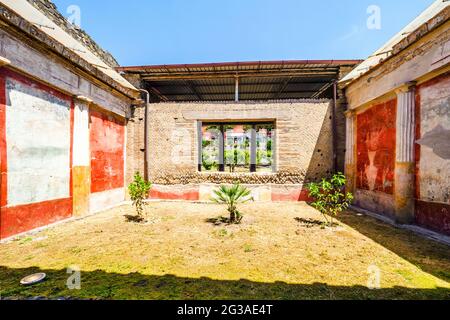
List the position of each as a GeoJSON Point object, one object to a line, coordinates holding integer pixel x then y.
{"type": "Point", "coordinates": [438, 140]}
{"type": "Point", "coordinates": [38, 145]}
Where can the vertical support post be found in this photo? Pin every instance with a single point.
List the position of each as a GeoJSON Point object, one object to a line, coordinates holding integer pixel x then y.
{"type": "Point", "coordinates": [81, 162]}
{"type": "Point", "coordinates": [404, 165]}
{"type": "Point", "coordinates": [146, 130]}
{"type": "Point", "coordinates": [274, 149]}
{"type": "Point", "coordinates": [200, 145]}
{"type": "Point", "coordinates": [253, 147]}
{"type": "Point", "coordinates": [334, 127]}
{"type": "Point", "coordinates": [222, 149]}
{"type": "Point", "coordinates": [236, 90]}
{"type": "Point", "coordinates": [350, 150]}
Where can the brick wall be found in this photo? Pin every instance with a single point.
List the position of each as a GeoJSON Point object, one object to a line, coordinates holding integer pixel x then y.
{"type": "Point", "coordinates": [304, 148]}
{"type": "Point", "coordinates": [135, 147]}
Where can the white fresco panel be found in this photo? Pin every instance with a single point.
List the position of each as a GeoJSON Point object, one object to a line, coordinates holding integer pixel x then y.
{"type": "Point", "coordinates": [38, 145]}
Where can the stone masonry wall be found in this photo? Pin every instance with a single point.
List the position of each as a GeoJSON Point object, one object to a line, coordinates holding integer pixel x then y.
{"type": "Point", "coordinates": [135, 147]}
{"type": "Point", "coordinates": [303, 146]}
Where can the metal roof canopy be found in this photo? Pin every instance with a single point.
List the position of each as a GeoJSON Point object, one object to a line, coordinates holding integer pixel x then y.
{"type": "Point", "coordinates": [261, 80]}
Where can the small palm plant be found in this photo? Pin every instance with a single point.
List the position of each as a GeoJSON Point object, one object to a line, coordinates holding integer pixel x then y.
{"type": "Point", "coordinates": [232, 196]}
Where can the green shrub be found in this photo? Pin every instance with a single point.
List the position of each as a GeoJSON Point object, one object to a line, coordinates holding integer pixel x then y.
{"type": "Point", "coordinates": [232, 196]}
{"type": "Point", "coordinates": [138, 191]}
{"type": "Point", "coordinates": [329, 196]}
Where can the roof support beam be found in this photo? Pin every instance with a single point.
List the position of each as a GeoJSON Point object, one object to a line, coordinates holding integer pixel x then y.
{"type": "Point", "coordinates": [236, 90]}
{"type": "Point", "coordinates": [282, 88]}
{"type": "Point", "coordinates": [168, 83]}
{"type": "Point", "coordinates": [205, 76]}
{"type": "Point", "coordinates": [192, 88]}
{"type": "Point", "coordinates": [322, 90]}
{"type": "Point", "coordinates": [158, 94]}
{"type": "Point", "coordinates": [310, 92]}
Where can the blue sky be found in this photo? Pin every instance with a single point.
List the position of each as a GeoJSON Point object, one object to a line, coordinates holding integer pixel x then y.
{"type": "Point", "coordinates": [141, 32]}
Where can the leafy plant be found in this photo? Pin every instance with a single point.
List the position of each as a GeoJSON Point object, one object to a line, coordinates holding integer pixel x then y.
{"type": "Point", "coordinates": [329, 196]}
{"type": "Point", "coordinates": [138, 191]}
{"type": "Point", "coordinates": [232, 196]}
{"type": "Point", "coordinates": [208, 165]}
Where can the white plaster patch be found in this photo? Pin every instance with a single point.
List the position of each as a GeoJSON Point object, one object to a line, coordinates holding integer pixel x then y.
{"type": "Point", "coordinates": [38, 145]}
{"type": "Point", "coordinates": [81, 154]}
{"type": "Point", "coordinates": [434, 168]}
{"type": "Point", "coordinates": [101, 201]}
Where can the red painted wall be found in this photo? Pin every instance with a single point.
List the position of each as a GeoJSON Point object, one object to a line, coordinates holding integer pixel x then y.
{"type": "Point", "coordinates": [433, 215]}
{"type": "Point", "coordinates": [22, 218]}
{"type": "Point", "coordinates": [107, 139]}
{"type": "Point", "coordinates": [190, 195]}
{"type": "Point", "coordinates": [376, 135]}
{"type": "Point", "coordinates": [291, 196]}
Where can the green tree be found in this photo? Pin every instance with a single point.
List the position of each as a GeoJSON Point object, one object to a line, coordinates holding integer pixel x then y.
{"type": "Point", "coordinates": [232, 196]}
{"type": "Point", "coordinates": [330, 197]}
{"type": "Point", "coordinates": [138, 191]}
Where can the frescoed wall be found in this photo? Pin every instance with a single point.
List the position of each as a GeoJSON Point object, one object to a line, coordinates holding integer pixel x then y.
{"type": "Point", "coordinates": [376, 136]}
{"type": "Point", "coordinates": [433, 154]}
{"type": "Point", "coordinates": [36, 126]}
{"type": "Point", "coordinates": [59, 157]}
{"type": "Point", "coordinates": [107, 141]}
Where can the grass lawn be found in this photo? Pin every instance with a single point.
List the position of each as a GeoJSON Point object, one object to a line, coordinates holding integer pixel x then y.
{"type": "Point", "coordinates": [272, 255]}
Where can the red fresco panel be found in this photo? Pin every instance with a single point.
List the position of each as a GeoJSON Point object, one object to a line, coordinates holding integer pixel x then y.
{"type": "Point", "coordinates": [434, 216]}
{"type": "Point", "coordinates": [291, 196]}
{"type": "Point", "coordinates": [107, 139]}
{"type": "Point", "coordinates": [190, 195]}
{"type": "Point", "coordinates": [376, 135]}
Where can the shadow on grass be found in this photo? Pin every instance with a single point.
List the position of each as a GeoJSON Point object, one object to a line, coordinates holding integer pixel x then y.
{"type": "Point", "coordinates": [430, 256]}
{"type": "Point", "coordinates": [102, 285]}
{"type": "Point", "coordinates": [134, 218]}
{"type": "Point", "coordinates": [311, 223]}
{"type": "Point", "coordinates": [218, 221]}
{"type": "Point", "coordinates": [223, 221]}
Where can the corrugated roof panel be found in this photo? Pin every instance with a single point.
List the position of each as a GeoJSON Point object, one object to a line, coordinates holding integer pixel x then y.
{"type": "Point", "coordinates": [257, 80]}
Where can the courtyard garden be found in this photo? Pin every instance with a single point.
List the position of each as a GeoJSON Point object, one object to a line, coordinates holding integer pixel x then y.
{"type": "Point", "coordinates": [184, 251]}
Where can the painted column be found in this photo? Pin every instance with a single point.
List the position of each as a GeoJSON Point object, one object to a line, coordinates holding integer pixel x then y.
{"type": "Point", "coordinates": [81, 171]}
{"type": "Point", "coordinates": [107, 141]}
{"type": "Point", "coordinates": [350, 163]}
{"type": "Point", "coordinates": [404, 164]}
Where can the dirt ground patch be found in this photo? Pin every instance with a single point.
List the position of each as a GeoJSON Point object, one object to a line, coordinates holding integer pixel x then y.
{"type": "Point", "coordinates": [277, 253]}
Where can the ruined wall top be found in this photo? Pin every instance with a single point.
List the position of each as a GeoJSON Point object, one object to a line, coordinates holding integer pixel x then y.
{"type": "Point", "coordinates": [50, 10]}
